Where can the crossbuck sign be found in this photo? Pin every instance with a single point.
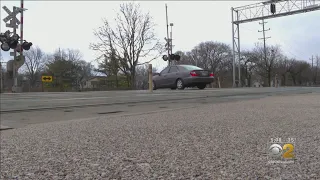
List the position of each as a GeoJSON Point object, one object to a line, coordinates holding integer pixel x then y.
{"type": "Point", "coordinates": [11, 15]}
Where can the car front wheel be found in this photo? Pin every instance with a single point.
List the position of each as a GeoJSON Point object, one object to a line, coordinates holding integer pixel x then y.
{"type": "Point", "coordinates": [180, 84]}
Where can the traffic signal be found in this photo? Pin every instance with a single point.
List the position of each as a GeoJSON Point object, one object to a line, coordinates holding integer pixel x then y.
{"type": "Point", "coordinates": [26, 45]}
{"type": "Point", "coordinates": [165, 57]}
{"type": "Point", "coordinates": [175, 57]}
{"type": "Point", "coordinates": [273, 8]}
{"type": "Point", "coordinates": [5, 46]}
{"type": "Point", "coordinates": [13, 41]}
{"type": "Point", "coordinates": [9, 42]}
{"type": "Point", "coordinates": [171, 57]}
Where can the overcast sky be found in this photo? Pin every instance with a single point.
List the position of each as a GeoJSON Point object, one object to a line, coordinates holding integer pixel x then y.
{"type": "Point", "coordinates": [63, 24]}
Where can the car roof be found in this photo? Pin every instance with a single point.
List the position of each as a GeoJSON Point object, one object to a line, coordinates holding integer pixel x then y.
{"type": "Point", "coordinates": [187, 66]}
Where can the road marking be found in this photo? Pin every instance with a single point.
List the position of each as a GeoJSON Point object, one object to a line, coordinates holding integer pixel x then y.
{"type": "Point", "coordinates": [120, 115]}
{"type": "Point", "coordinates": [150, 94]}
{"type": "Point", "coordinates": [24, 96]}
{"type": "Point", "coordinates": [2, 127]}
{"type": "Point", "coordinates": [69, 99]}
{"type": "Point", "coordinates": [114, 94]}
{"type": "Point", "coordinates": [81, 98]}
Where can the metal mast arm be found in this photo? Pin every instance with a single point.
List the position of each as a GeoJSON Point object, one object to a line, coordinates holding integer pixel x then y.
{"type": "Point", "coordinates": [259, 11]}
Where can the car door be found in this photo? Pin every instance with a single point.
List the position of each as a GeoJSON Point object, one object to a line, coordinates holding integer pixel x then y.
{"type": "Point", "coordinates": [173, 74]}
{"type": "Point", "coordinates": [161, 82]}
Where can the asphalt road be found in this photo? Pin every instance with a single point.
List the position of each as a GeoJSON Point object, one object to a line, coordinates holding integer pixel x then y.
{"type": "Point", "coordinates": [20, 110]}
{"type": "Point", "coordinates": [37, 101]}
{"type": "Point", "coordinates": [215, 134]}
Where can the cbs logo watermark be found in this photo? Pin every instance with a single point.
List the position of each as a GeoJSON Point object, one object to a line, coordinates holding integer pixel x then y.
{"type": "Point", "coordinates": [280, 152]}
{"type": "Point", "coordinates": [286, 151]}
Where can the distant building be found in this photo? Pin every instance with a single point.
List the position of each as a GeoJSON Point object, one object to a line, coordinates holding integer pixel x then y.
{"type": "Point", "coordinates": [94, 82]}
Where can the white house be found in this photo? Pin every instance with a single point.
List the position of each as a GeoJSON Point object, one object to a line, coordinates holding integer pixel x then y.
{"type": "Point", "coordinates": [93, 82]}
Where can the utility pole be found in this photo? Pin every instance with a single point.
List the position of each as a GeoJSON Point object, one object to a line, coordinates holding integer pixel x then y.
{"type": "Point", "coordinates": [11, 42]}
{"type": "Point", "coordinates": [1, 75]}
{"type": "Point", "coordinates": [234, 43]}
{"type": "Point", "coordinates": [317, 63]}
{"type": "Point", "coordinates": [170, 44]}
{"type": "Point", "coordinates": [14, 23]}
{"type": "Point", "coordinates": [314, 69]}
{"type": "Point", "coordinates": [21, 29]}
{"type": "Point", "coordinates": [264, 39]}
{"type": "Point", "coordinates": [1, 88]}
{"type": "Point", "coordinates": [170, 57]}
{"type": "Point", "coordinates": [168, 38]}
{"type": "Point", "coordinates": [15, 69]}
{"type": "Point", "coordinates": [311, 61]}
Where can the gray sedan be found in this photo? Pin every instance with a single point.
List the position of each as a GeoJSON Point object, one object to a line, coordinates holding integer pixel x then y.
{"type": "Point", "coordinates": [181, 76]}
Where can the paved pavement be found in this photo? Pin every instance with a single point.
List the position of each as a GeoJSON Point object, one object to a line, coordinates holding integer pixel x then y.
{"type": "Point", "coordinates": [208, 140]}
{"type": "Point", "coordinates": [20, 110]}
{"type": "Point", "coordinates": [16, 102]}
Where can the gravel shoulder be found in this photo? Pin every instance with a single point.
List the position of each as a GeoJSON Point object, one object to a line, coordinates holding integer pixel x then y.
{"type": "Point", "coordinates": [212, 141]}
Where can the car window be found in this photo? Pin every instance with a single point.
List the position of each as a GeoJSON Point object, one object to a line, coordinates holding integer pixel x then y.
{"type": "Point", "coordinates": [173, 69]}
{"type": "Point", "coordinates": [190, 67]}
{"type": "Point", "coordinates": [165, 71]}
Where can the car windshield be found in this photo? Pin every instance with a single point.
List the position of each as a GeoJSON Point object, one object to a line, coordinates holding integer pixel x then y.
{"type": "Point", "coordinates": [190, 67]}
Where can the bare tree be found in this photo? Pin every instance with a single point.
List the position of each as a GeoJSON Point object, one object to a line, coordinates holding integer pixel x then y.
{"type": "Point", "coordinates": [248, 66]}
{"type": "Point", "coordinates": [296, 70]}
{"type": "Point", "coordinates": [189, 57]}
{"type": "Point", "coordinates": [66, 54]}
{"type": "Point", "coordinates": [82, 71]}
{"type": "Point", "coordinates": [266, 66]}
{"type": "Point", "coordinates": [315, 70]}
{"type": "Point", "coordinates": [211, 55]}
{"type": "Point", "coordinates": [34, 63]}
{"type": "Point", "coordinates": [132, 38]}
{"type": "Point", "coordinates": [217, 57]}
{"type": "Point", "coordinates": [282, 69]}
{"type": "Point", "coordinates": [184, 59]}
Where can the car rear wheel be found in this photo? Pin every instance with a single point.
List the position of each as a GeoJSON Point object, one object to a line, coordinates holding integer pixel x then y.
{"type": "Point", "coordinates": [173, 88]}
{"type": "Point", "coordinates": [202, 86]}
{"type": "Point", "coordinates": [179, 84]}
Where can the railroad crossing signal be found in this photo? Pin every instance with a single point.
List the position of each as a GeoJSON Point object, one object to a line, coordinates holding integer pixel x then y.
{"type": "Point", "coordinates": [168, 44]}
{"type": "Point", "coordinates": [11, 15]}
{"type": "Point", "coordinates": [46, 78]}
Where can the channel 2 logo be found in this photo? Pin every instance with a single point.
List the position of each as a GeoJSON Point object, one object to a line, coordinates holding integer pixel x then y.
{"type": "Point", "coordinates": [286, 151]}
